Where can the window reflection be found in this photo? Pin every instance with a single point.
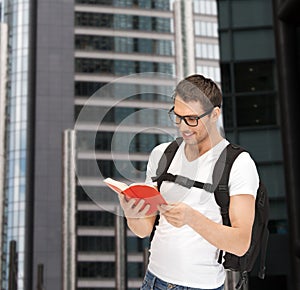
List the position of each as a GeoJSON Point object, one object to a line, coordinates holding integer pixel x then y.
{"type": "Point", "coordinates": [153, 4]}
{"type": "Point", "coordinates": [121, 67]}
{"type": "Point", "coordinates": [254, 76]}
{"type": "Point", "coordinates": [16, 136]}
{"type": "Point", "coordinates": [123, 22]}
{"type": "Point", "coordinates": [205, 7]}
{"type": "Point", "coordinates": [95, 218]}
{"type": "Point", "coordinates": [257, 110]}
{"type": "Point", "coordinates": [96, 269]}
{"type": "Point", "coordinates": [212, 72]}
{"type": "Point", "coordinates": [206, 28]}
{"type": "Point", "coordinates": [207, 51]}
{"type": "Point", "coordinates": [126, 116]}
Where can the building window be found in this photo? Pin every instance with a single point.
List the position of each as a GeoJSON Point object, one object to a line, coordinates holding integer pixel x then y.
{"type": "Point", "coordinates": [101, 2]}
{"type": "Point", "coordinates": [126, 116]}
{"type": "Point", "coordinates": [226, 79]}
{"type": "Point", "coordinates": [256, 110]}
{"type": "Point", "coordinates": [254, 76]}
{"type": "Point", "coordinates": [207, 51]}
{"type": "Point", "coordinates": [120, 67]}
{"type": "Point", "coordinates": [211, 72]}
{"type": "Point", "coordinates": [104, 141]}
{"type": "Point", "coordinates": [249, 13]}
{"type": "Point", "coordinates": [205, 7]}
{"type": "Point", "coordinates": [123, 22]}
{"type": "Point", "coordinates": [207, 29]}
{"type": "Point", "coordinates": [152, 4]}
{"type": "Point", "coordinates": [87, 88]}
{"type": "Point", "coordinates": [95, 218]}
{"type": "Point", "coordinates": [95, 244]}
{"type": "Point", "coordinates": [134, 170]}
{"type": "Point", "coordinates": [96, 269]}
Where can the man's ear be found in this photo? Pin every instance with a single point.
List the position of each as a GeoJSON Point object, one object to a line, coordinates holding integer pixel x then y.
{"type": "Point", "coordinates": [216, 113]}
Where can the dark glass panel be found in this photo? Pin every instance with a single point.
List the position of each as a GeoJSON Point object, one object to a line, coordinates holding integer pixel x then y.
{"type": "Point", "coordinates": [135, 270]}
{"type": "Point", "coordinates": [119, 168]}
{"type": "Point", "coordinates": [123, 22]}
{"type": "Point", "coordinates": [256, 110]}
{"type": "Point", "coordinates": [254, 76]}
{"type": "Point", "coordinates": [96, 269]}
{"type": "Point", "coordinates": [153, 4]}
{"type": "Point", "coordinates": [225, 77]}
{"type": "Point", "coordinates": [95, 218]}
{"type": "Point", "coordinates": [87, 88]}
{"type": "Point", "coordinates": [81, 194]}
{"type": "Point", "coordinates": [120, 67]}
{"type": "Point", "coordinates": [138, 142]}
{"type": "Point", "coordinates": [95, 244]}
{"type": "Point", "coordinates": [228, 112]}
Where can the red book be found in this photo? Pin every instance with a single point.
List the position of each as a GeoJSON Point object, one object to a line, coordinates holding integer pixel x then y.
{"type": "Point", "coordinates": [138, 191]}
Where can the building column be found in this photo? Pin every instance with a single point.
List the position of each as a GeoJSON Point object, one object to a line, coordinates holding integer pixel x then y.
{"type": "Point", "coordinates": [287, 50]}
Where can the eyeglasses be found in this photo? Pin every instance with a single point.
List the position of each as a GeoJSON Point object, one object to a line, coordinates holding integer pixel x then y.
{"type": "Point", "coordinates": [191, 121]}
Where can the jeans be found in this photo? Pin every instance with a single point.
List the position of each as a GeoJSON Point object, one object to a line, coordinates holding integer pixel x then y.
{"type": "Point", "coordinates": [151, 282]}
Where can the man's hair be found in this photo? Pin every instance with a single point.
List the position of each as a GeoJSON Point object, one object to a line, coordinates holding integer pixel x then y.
{"type": "Point", "coordinates": [198, 88]}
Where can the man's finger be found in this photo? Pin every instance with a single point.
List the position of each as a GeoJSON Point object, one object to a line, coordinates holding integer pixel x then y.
{"type": "Point", "coordinates": [145, 210]}
{"type": "Point", "coordinates": [165, 207]}
{"type": "Point", "coordinates": [137, 206]}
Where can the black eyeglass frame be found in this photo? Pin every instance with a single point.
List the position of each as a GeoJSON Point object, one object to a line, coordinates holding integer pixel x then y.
{"type": "Point", "coordinates": [197, 118]}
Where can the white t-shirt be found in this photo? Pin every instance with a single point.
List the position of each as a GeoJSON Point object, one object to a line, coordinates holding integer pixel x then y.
{"type": "Point", "coordinates": [180, 255]}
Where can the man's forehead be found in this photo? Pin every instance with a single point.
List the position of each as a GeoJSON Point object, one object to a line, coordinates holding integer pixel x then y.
{"type": "Point", "coordinates": [190, 107]}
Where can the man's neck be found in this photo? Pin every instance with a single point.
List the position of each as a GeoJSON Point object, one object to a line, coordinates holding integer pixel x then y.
{"type": "Point", "coordinates": [193, 151]}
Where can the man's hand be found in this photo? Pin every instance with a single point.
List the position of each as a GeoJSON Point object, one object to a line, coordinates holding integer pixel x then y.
{"type": "Point", "coordinates": [177, 214]}
{"type": "Point", "coordinates": [133, 208]}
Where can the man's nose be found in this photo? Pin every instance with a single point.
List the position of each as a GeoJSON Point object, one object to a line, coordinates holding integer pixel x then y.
{"type": "Point", "coordinates": [182, 125]}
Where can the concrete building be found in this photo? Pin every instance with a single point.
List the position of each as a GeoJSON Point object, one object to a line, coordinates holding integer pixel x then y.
{"type": "Point", "coordinates": [130, 113]}
{"type": "Point", "coordinates": [108, 69]}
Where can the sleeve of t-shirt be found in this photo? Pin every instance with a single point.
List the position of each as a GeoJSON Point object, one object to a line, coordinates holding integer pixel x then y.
{"type": "Point", "coordinates": [243, 178]}
{"type": "Point", "coordinates": [152, 165]}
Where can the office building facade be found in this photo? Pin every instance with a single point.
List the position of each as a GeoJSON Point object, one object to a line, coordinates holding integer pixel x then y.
{"type": "Point", "coordinates": [254, 116]}
{"type": "Point", "coordinates": [39, 107]}
{"type": "Point", "coordinates": [108, 68]}
{"type": "Point", "coordinates": [129, 112]}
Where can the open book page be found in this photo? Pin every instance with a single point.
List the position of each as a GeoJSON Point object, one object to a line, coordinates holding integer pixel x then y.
{"type": "Point", "coordinates": [115, 185]}
{"type": "Point", "coordinates": [139, 191]}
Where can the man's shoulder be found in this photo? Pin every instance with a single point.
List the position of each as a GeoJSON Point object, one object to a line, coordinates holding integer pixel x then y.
{"type": "Point", "coordinates": [160, 148]}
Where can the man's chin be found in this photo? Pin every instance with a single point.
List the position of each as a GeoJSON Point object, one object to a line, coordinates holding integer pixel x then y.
{"type": "Point", "coordinates": [189, 140]}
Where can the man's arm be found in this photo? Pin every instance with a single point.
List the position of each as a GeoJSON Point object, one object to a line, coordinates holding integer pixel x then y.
{"type": "Point", "coordinates": [140, 224]}
{"type": "Point", "coordinates": [235, 239]}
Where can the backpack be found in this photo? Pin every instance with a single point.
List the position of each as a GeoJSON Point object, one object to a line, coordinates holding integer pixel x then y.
{"type": "Point", "coordinates": [219, 187]}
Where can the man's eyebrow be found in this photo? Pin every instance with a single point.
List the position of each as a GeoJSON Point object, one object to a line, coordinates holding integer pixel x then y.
{"type": "Point", "coordinates": [194, 115]}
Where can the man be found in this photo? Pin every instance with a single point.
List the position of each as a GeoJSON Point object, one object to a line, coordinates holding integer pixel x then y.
{"type": "Point", "coordinates": [184, 250]}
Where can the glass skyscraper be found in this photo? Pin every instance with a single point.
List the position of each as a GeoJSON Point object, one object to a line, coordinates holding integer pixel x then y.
{"type": "Point", "coordinates": [39, 102]}
{"type": "Point", "coordinates": [16, 128]}
{"type": "Point", "coordinates": [252, 115]}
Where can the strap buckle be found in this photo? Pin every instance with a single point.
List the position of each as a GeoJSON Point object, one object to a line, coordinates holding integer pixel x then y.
{"type": "Point", "coordinates": [222, 188]}
{"type": "Point", "coordinates": [208, 187]}
{"type": "Point", "coordinates": [184, 181]}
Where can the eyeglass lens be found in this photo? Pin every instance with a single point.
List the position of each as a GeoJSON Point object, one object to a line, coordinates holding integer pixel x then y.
{"type": "Point", "coordinates": [189, 120]}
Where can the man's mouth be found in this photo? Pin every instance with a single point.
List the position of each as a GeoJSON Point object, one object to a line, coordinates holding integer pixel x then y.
{"type": "Point", "coordinates": [187, 134]}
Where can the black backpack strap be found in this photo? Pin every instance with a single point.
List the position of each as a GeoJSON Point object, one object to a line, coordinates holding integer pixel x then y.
{"type": "Point", "coordinates": [184, 181]}
{"type": "Point", "coordinates": [166, 160]}
{"type": "Point", "coordinates": [262, 201]}
{"type": "Point", "coordinates": [221, 178]}
{"type": "Point", "coordinates": [263, 254]}
{"type": "Point", "coordinates": [162, 168]}
{"type": "Point", "coordinates": [220, 181]}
